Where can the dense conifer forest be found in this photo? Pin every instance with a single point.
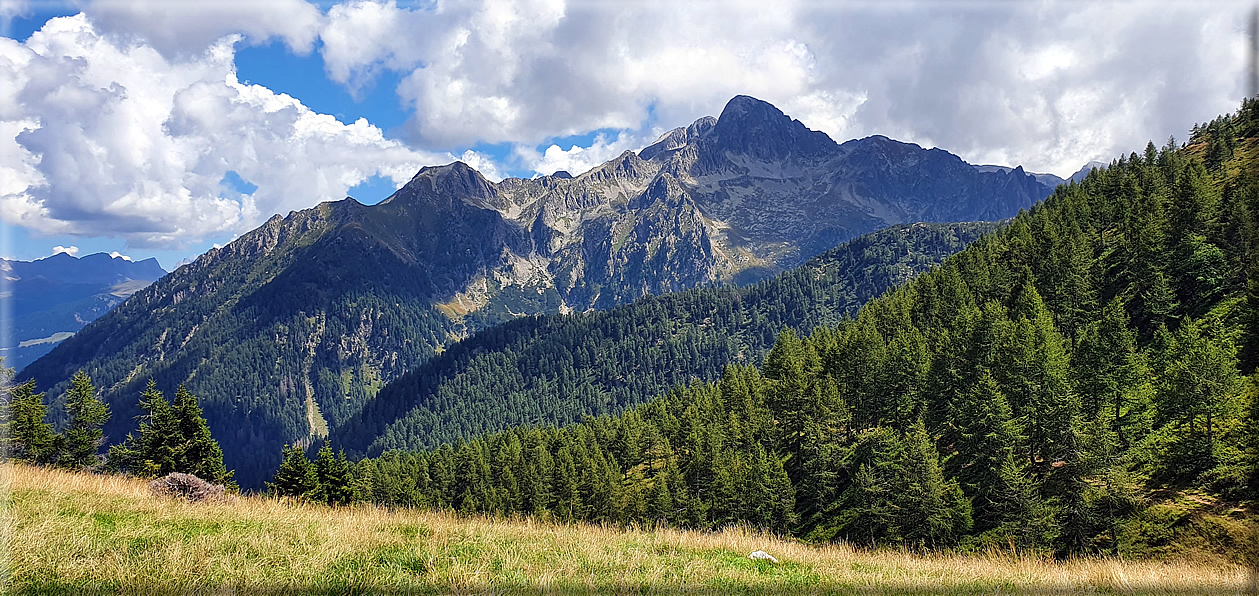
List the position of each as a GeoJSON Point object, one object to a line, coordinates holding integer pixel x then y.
{"type": "Point", "coordinates": [555, 369]}
{"type": "Point", "coordinates": [1036, 390]}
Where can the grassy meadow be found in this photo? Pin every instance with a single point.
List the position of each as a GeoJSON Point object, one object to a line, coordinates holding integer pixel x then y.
{"type": "Point", "coordinates": [78, 533]}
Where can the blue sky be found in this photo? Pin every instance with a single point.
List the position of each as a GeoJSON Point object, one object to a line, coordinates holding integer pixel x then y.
{"type": "Point", "coordinates": [160, 129]}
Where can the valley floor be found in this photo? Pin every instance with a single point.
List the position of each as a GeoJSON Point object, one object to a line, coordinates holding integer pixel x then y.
{"type": "Point", "coordinates": [78, 533]}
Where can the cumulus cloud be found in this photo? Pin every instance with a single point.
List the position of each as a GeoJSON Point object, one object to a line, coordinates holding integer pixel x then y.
{"type": "Point", "coordinates": [117, 255]}
{"type": "Point", "coordinates": [180, 28]}
{"type": "Point", "coordinates": [125, 120]}
{"type": "Point", "coordinates": [1048, 85]}
{"type": "Point", "coordinates": [576, 159]}
{"type": "Point", "coordinates": [70, 250]}
{"type": "Point", "coordinates": [107, 137]}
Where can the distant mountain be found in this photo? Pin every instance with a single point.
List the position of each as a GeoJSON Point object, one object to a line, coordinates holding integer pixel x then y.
{"type": "Point", "coordinates": [1084, 171]}
{"type": "Point", "coordinates": [51, 298]}
{"type": "Point", "coordinates": [286, 332]}
{"type": "Point", "coordinates": [1049, 180]}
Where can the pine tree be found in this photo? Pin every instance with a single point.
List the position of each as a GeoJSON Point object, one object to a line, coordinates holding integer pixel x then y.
{"type": "Point", "coordinates": [296, 476]}
{"type": "Point", "coordinates": [83, 437]}
{"type": "Point", "coordinates": [30, 439]}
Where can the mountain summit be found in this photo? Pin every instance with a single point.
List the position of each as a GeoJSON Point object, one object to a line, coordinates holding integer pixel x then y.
{"type": "Point", "coordinates": [757, 129]}
{"type": "Point", "coordinates": [285, 332]}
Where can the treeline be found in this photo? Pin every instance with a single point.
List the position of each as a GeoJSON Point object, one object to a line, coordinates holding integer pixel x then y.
{"type": "Point", "coordinates": [557, 369]}
{"type": "Point", "coordinates": [171, 437]}
{"type": "Point", "coordinates": [1028, 392]}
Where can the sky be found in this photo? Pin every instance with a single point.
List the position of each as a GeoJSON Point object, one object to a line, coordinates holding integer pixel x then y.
{"type": "Point", "coordinates": [162, 128]}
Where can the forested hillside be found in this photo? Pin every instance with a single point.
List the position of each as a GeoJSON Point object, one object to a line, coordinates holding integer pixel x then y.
{"type": "Point", "coordinates": [1038, 390]}
{"type": "Point", "coordinates": [291, 328]}
{"type": "Point", "coordinates": [556, 369]}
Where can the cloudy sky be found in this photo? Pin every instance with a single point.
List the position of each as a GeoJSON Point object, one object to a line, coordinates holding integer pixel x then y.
{"type": "Point", "coordinates": [162, 127]}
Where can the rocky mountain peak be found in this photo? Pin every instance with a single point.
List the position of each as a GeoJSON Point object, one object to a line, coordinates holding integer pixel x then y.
{"type": "Point", "coordinates": [678, 137]}
{"type": "Point", "coordinates": [442, 185]}
{"type": "Point", "coordinates": [701, 126]}
{"type": "Point", "coordinates": [756, 128]}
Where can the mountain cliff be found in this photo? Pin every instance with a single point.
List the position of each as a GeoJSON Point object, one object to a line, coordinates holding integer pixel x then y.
{"type": "Point", "coordinates": [286, 332]}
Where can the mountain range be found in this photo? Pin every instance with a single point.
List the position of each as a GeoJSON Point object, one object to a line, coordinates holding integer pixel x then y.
{"type": "Point", "coordinates": [289, 330]}
{"type": "Point", "coordinates": [52, 298]}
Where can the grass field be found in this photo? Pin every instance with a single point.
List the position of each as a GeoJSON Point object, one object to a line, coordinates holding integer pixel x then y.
{"type": "Point", "coordinates": [77, 533]}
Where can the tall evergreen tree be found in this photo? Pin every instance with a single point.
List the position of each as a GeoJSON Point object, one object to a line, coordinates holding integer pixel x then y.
{"type": "Point", "coordinates": [1198, 386]}
{"type": "Point", "coordinates": [987, 439]}
{"type": "Point", "coordinates": [1034, 375]}
{"type": "Point", "coordinates": [296, 476]}
{"type": "Point", "coordinates": [157, 449]}
{"type": "Point", "coordinates": [1110, 374]}
{"type": "Point", "coordinates": [170, 439]}
{"type": "Point", "coordinates": [83, 437]}
{"type": "Point", "coordinates": [29, 437]}
{"type": "Point", "coordinates": [932, 509]}
{"type": "Point", "coordinates": [198, 453]}
{"type": "Point", "coordinates": [332, 473]}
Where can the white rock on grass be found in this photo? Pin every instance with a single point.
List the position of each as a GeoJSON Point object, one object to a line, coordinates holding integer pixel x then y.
{"type": "Point", "coordinates": [761, 555]}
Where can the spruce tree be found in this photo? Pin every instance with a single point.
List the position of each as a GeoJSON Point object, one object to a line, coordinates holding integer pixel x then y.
{"type": "Point", "coordinates": [1033, 375]}
{"type": "Point", "coordinates": [932, 511]}
{"type": "Point", "coordinates": [83, 437]}
{"type": "Point", "coordinates": [156, 450]}
{"type": "Point", "coordinates": [332, 473]}
{"type": "Point", "coordinates": [30, 438]}
{"type": "Point", "coordinates": [170, 439]}
{"type": "Point", "coordinates": [296, 476]}
{"type": "Point", "coordinates": [792, 366]}
{"type": "Point", "coordinates": [198, 453]}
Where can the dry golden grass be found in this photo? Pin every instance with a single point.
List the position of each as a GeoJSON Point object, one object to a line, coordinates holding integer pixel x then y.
{"type": "Point", "coordinates": [77, 533]}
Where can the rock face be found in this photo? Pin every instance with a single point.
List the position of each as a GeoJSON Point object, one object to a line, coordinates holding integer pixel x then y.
{"type": "Point", "coordinates": [286, 331]}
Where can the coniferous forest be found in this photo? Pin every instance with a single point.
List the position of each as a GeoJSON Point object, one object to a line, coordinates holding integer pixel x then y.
{"type": "Point", "coordinates": [556, 369]}
{"type": "Point", "coordinates": [1039, 389]}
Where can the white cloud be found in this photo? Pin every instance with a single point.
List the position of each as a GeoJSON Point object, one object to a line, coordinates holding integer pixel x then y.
{"type": "Point", "coordinates": [123, 122]}
{"type": "Point", "coordinates": [177, 27]}
{"type": "Point", "coordinates": [14, 8]}
{"type": "Point", "coordinates": [118, 255]}
{"type": "Point", "coordinates": [70, 250]}
{"type": "Point", "coordinates": [1048, 85]}
{"type": "Point", "coordinates": [576, 160]}
{"type": "Point", "coordinates": [103, 137]}
{"type": "Point", "coordinates": [482, 163]}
